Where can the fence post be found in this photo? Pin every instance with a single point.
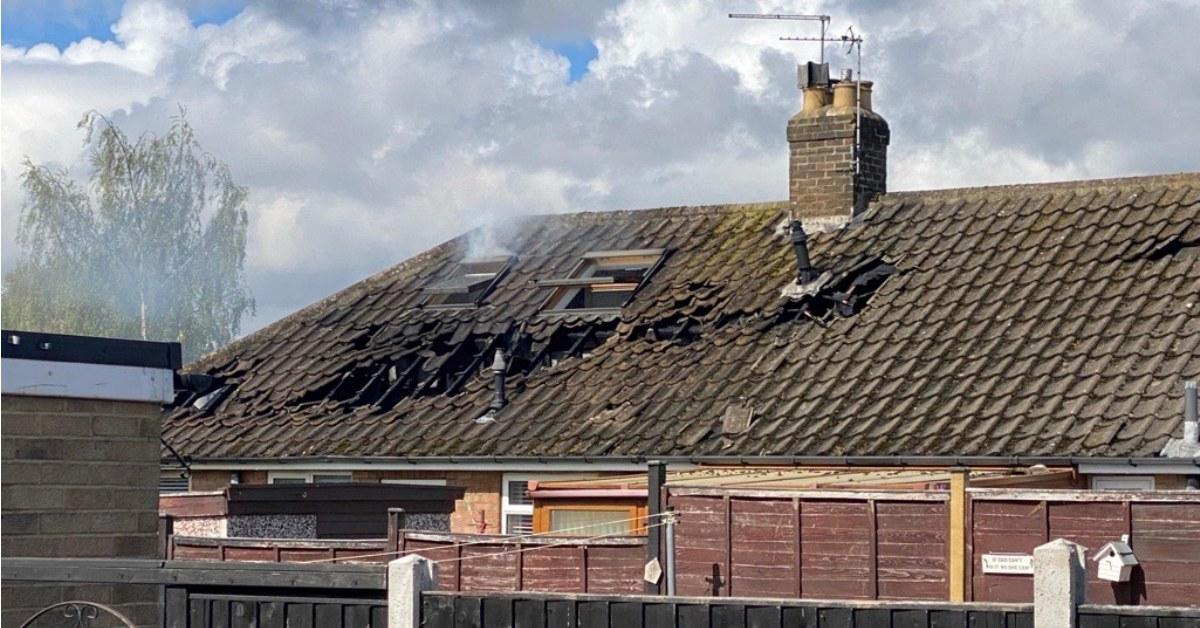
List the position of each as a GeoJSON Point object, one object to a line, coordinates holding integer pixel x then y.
{"type": "Point", "coordinates": [656, 476]}
{"type": "Point", "coordinates": [395, 523]}
{"type": "Point", "coordinates": [957, 507]}
{"type": "Point", "coordinates": [1059, 584]}
{"type": "Point", "coordinates": [407, 577]}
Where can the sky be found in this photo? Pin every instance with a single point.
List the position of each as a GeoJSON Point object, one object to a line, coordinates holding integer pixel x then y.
{"type": "Point", "coordinates": [369, 131]}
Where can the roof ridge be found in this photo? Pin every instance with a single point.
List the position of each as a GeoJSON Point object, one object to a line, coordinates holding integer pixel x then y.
{"type": "Point", "coordinates": [1178, 178]}
{"type": "Point", "coordinates": [640, 212]}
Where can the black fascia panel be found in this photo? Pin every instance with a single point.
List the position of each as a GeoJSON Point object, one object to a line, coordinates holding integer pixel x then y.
{"type": "Point", "coordinates": [32, 345]}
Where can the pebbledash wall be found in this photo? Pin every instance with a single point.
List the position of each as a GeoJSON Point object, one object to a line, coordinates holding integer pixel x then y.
{"type": "Point", "coordinates": [81, 424]}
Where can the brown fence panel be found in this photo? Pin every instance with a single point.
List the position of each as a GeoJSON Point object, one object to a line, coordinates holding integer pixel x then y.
{"type": "Point", "coordinates": [836, 559]}
{"type": "Point", "coordinates": [812, 544]}
{"type": "Point", "coordinates": [1163, 529]}
{"type": "Point", "coordinates": [615, 569]}
{"type": "Point", "coordinates": [763, 544]}
{"type": "Point", "coordinates": [483, 562]}
{"type": "Point", "coordinates": [701, 556]}
{"type": "Point", "coordinates": [1166, 541]}
{"type": "Point", "coordinates": [911, 551]}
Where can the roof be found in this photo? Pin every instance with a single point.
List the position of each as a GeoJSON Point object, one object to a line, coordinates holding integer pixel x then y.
{"type": "Point", "coordinates": [1038, 320]}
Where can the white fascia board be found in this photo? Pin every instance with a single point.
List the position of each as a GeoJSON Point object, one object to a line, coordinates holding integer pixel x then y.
{"type": "Point", "coordinates": [1142, 468]}
{"type": "Point", "coordinates": [500, 467]}
{"type": "Point", "coordinates": [43, 378]}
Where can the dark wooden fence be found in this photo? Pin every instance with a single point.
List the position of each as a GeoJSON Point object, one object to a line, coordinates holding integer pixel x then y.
{"type": "Point", "coordinates": [814, 544]}
{"type": "Point", "coordinates": [593, 611]}
{"type": "Point", "coordinates": [231, 595]}
{"type": "Point", "coordinates": [1163, 529]}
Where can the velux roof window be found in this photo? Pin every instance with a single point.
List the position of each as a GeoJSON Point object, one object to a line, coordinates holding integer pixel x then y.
{"type": "Point", "coordinates": [470, 283]}
{"type": "Point", "coordinates": [602, 282]}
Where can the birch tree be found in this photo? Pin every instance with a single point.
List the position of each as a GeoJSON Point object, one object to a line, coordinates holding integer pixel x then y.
{"type": "Point", "coordinates": [151, 247]}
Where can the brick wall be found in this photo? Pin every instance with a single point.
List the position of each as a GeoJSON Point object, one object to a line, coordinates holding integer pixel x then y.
{"type": "Point", "coordinates": [79, 479]}
{"type": "Point", "coordinates": [822, 180]}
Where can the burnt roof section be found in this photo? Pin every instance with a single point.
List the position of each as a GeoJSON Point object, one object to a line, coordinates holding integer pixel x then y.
{"type": "Point", "coordinates": [1036, 320]}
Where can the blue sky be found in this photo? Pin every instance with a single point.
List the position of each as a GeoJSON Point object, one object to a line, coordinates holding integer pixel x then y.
{"type": "Point", "coordinates": [61, 22]}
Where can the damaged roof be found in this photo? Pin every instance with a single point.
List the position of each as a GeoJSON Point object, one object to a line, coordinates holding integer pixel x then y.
{"type": "Point", "coordinates": [1035, 320]}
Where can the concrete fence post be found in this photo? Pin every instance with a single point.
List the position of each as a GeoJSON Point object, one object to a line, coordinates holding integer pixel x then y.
{"type": "Point", "coordinates": [1059, 584]}
{"type": "Point", "coordinates": [407, 577]}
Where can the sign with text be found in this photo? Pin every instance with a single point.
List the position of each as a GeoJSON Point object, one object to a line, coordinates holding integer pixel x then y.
{"type": "Point", "coordinates": [1018, 564]}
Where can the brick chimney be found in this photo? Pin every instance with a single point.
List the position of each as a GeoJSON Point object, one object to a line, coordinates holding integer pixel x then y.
{"type": "Point", "coordinates": [823, 178]}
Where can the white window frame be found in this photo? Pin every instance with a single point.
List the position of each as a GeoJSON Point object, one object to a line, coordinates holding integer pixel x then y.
{"type": "Point", "coordinates": [307, 476]}
{"type": "Point", "coordinates": [419, 482]}
{"type": "Point", "coordinates": [507, 508]}
{"type": "Point", "coordinates": [1122, 482]}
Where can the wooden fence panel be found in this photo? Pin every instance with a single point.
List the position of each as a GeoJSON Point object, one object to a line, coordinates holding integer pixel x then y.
{"type": "Point", "coordinates": [701, 558]}
{"type": "Point", "coordinates": [911, 550]}
{"type": "Point", "coordinates": [837, 539]}
{"type": "Point", "coordinates": [763, 545]}
{"type": "Point", "coordinates": [1166, 541]}
{"type": "Point", "coordinates": [1005, 528]}
{"type": "Point", "coordinates": [1163, 529]}
{"type": "Point", "coordinates": [1091, 524]}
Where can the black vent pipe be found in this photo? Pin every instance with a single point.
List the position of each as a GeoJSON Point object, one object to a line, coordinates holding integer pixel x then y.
{"type": "Point", "coordinates": [804, 268]}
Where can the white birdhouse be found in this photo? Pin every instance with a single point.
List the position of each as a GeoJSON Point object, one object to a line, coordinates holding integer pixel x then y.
{"type": "Point", "coordinates": [1115, 560]}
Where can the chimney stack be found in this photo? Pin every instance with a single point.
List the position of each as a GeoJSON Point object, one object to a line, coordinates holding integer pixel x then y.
{"type": "Point", "coordinates": [825, 180]}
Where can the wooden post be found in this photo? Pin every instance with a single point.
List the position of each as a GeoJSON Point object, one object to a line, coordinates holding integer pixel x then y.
{"type": "Point", "coordinates": [656, 476]}
{"type": "Point", "coordinates": [957, 507]}
{"type": "Point", "coordinates": [873, 526]}
{"type": "Point", "coordinates": [166, 530]}
{"type": "Point", "coordinates": [728, 546]}
{"type": "Point", "coordinates": [395, 523]}
{"type": "Point", "coordinates": [798, 555]}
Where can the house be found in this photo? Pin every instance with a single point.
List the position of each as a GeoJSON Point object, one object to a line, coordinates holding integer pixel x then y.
{"type": "Point", "coordinates": [1043, 324]}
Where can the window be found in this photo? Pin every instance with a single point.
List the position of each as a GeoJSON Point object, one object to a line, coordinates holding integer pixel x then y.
{"type": "Point", "coordinates": [414, 482]}
{"type": "Point", "coordinates": [591, 522]}
{"type": "Point", "coordinates": [516, 507]}
{"type": "Point", "coordinates": [472, 280]}
{"type": "Point", "coordinates": [304, 477]}
{"type": "Point", "coordinates": [1123, 482]}
{"type": "Point", "coordinates": [602, 280]}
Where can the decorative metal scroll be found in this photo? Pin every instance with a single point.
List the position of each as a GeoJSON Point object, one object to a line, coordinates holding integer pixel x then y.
{"type": "Point", "coordinates": [77, 614]}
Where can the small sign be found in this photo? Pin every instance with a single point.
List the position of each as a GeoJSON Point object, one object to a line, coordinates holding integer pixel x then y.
{"type": "Point", "coordinates": [1020, 564]}
{"type": "Point", "coordinates": [653, 572]}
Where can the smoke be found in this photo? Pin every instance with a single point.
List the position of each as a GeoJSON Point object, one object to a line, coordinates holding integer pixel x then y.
{"type": "Point", "coordinates": [493, 238]}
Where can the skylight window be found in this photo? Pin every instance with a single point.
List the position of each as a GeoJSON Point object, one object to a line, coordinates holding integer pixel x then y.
{"type": "Point", "coordinates": [603, 281]}
{"type": "Point", "coordinates": [470, 284]}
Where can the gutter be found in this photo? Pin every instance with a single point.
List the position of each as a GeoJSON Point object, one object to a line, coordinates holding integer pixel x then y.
{"type": "Point", "coordinates": [1128, 464]}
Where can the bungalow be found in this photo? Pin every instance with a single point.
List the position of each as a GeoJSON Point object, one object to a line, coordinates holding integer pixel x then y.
{"type": "Point", "coordinates": [1012, 326]}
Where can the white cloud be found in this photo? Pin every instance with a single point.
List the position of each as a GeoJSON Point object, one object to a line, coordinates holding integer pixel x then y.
{"type": "Point", "coordinates": [367, 132]}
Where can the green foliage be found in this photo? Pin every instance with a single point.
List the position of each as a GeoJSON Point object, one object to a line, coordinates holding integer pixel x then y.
{"type": "Point", "coordinates": [153, 247]}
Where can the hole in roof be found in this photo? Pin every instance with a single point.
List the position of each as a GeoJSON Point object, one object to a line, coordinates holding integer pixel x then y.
{"type": "Point", "coordinates": [602, 281]}
{"type": "Point", "coordinates": [471, 282]}
{"type": "Point", "coordinates": [1174, 247]}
